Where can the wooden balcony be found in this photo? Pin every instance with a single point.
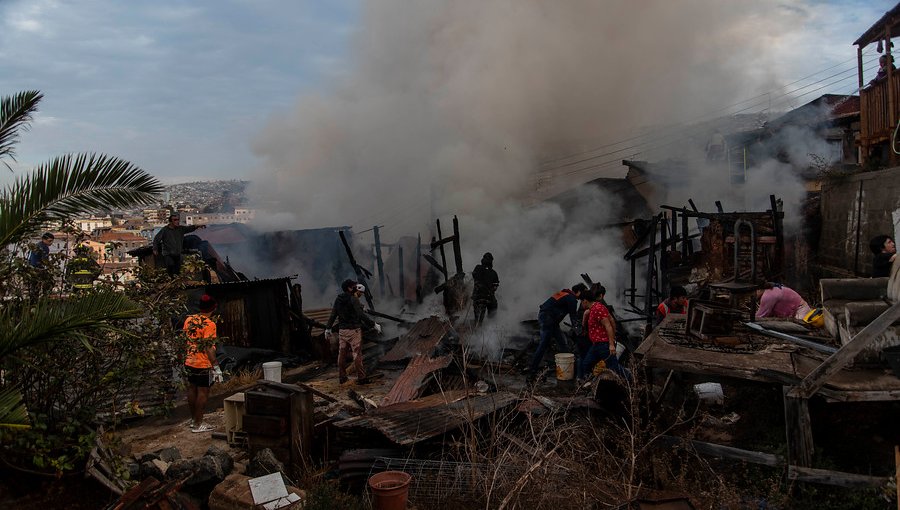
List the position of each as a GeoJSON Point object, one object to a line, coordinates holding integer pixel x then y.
{"type": "Point", "coordinates": [876, 124]}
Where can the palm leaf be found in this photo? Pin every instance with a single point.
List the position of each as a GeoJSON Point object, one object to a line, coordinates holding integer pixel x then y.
{"type": "Point", "coordinates": [15, 116]}
{"type": "Point", "coordinates": [12, 411]}
{"type": "Point", "coordinates": [71, 185]}
{"type": "Point", "coordinates": [52, 318]}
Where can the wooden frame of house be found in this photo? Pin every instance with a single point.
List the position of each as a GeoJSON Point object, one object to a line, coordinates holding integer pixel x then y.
{"type": "Point", "coordinates": [880, 98]}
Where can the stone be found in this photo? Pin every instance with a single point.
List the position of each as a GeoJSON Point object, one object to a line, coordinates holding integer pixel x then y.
{"type": "Point", "coordinates": [263, 463]}
{"type": "Point", "coordinates": [170, 454]}
{"type": "Point", "coordinates": [181, 469]}
{"type": "Point", "coordinates": [226, 463]}
{"type": "Point", "coordinates": [134, 470]}
{"type": "Point", "coordinates": [155, 468]}
{"type": "Point", "coordinates": [148, 457]}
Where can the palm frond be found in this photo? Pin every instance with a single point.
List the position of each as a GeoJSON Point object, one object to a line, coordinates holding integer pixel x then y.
{"type": "Point", "coordinates": [12, 411]}
{"type": "Point", "coordinates": [70, 185]}
{"type": "Point", "coordinates": [52, 318]}
{"type": "Point", "coordinates": [15, 116]}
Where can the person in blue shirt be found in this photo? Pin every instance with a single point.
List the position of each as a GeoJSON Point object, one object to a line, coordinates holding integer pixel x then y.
{"type": "Point", "coordinates": [40, 256]}
{"type": "Point", "coordinates": [550, 314]}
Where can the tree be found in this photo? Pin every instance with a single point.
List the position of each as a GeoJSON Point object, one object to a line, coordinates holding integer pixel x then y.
{"type": "Point", "coordinates": [60, 188]}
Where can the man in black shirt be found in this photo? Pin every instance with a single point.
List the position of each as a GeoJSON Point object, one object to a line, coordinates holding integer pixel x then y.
{"type": "Point", "coordinates": [169, 243]}
{"type": "Point", "coordinates": [885, 251]}
{"type": "Point", "coordinates": [484, 292]}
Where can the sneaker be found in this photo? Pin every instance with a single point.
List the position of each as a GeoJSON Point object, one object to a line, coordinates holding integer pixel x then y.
{"type": "Point", "coordinates": [203, 427]}
{"type": "Point", "coordinates": [189, 424]}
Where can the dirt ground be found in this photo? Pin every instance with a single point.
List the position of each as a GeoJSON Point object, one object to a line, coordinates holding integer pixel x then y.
{"type": "Point", "coordinates": [145, 438]}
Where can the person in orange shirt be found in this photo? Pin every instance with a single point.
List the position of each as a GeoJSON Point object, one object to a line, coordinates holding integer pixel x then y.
{"type": "Point", "coordinates": [200, 365]}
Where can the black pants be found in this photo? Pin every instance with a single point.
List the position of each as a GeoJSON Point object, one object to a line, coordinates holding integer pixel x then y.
{"type": "Point", "coordinates": [173, 264]}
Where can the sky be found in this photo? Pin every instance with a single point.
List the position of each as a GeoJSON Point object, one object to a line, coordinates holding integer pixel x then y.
{"type": "Point", "coordinates": [186, 89]}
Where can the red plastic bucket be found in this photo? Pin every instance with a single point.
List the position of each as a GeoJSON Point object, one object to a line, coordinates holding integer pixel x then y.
{"type": "Point", "coordinates": [390, 489]}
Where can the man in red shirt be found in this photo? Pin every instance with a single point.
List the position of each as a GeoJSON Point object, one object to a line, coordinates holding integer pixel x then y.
{"type": "Point", "coordinates": [200, 365]}
{"type": "Point", "coordinates": [602, 333]}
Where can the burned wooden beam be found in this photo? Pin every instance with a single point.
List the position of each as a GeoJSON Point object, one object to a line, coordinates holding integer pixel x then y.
{"type": "Point", "coordinates": [386, 316]}
{"type": "Point", "coordinates": [379, 261]}
{"type": "Point", "coordinates": [846, 354]}
{"type": "Point", "coordinates": [361, 272]}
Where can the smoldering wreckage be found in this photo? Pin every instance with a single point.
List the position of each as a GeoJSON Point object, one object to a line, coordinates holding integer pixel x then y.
{"type": "Point", "coordinates": [439, 419]}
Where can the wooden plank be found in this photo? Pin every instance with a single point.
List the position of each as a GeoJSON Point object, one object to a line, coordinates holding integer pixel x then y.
{"type": "Point", "coordinates": [725, 452]}
{"type": "Point", "coordinates": [838, 478]}
{"type": "Point", "coordinates": [798, 429]}
{"type": "Point", "coordinates": [846, 354]}
{"type": "Point", "coordinates": [859, 396]}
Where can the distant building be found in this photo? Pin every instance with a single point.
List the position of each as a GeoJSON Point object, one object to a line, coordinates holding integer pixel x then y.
{"type": "Point", "coordinates": [156, 216]}
{"type": "Point", "coordinates": [89, 225]}
{"type": "Point", "coordinates": [239, 216]}
{"type": "Point", "coordinates": [112, 247]}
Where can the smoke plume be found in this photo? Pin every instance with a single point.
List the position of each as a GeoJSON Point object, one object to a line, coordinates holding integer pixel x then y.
{"type": "Point", "coordinates": [449, 107]}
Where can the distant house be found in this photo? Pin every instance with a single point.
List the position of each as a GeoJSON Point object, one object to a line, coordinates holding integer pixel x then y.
{"type": "Point", "coordinates": [826, 128]}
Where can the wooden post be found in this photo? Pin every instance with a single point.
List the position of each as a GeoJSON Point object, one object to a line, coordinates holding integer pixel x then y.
{"type": "Point", "coordinates": [457, 249]}
{"type": "Point", "coordinates": [360, 274]}
{"type": "Point", "coordinates": [419, 269]}
{"type": "Point", "coordinates": [379, 261]}
{"type": "Point", "coordinates": [897, 473]}
{"type": "Point", "coordinates": [719, 206]}
{"type": "Point", "coordinates": [663, 254]}
{"type": "Point", "coordinates": [443, 253]}
{"type": "Point", "coordinates": [633, 287]}
{"type": "Point", "coordinates": [687, 248]}
{"type": "Point", "coordinates": [651, 254]}
{"type": "Point", "coordinates": [674, 230]}
{"type": "Point", "coordinates": [301, 423]}
{"type": "Point", "coordinates": [859, 65]}
{"type": "Point", "coordinates": [846, 354]}
{"type": "Point", "coordinates": [798, 429]}
{"type": "Point", "coordinates": [779, 236]}
{"type": "Point", "coordinates": [892, 101]}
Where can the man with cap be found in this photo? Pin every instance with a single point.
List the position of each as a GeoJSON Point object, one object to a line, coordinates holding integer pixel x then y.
{"type": "Point", "coordinates": [351, 318]}
{"type": "Point", "coordinates": [169, 243]}
{"type": "Point", "coordinates": [486, 281]}
{"type": "Point", "coordinates": [200, 365]}
{"type": "Point", "coordinates": [550, 314]}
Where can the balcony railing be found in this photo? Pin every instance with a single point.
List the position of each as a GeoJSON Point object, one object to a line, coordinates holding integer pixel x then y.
{"type": "Point", "coordinates": [874, 110]}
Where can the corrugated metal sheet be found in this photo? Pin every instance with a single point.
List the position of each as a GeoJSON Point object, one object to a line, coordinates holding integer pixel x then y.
{"type": "Point", "coordinates": [410, 381]}
{"type": "Point", "coordinates": [408, 423]}
{"type": "Point", "coordinates": [421, 339]}
{"type": "Point", "coordinates": [319, 314]}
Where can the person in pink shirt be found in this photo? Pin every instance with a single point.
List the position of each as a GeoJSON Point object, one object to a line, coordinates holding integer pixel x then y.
{"type": "Point", "coordinates": [776, 300]}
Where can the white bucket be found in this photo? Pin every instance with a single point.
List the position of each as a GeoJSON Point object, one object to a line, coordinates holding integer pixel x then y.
{"type": "Point", "coordinates": [565, 367]}
{"type": "Point", "coordinates": [710, 392]}
{"type": "Point", "coordinates": [272, 371]}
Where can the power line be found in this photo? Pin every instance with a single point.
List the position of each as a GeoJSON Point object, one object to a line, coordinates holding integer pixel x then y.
{"type": "Point", "coordinates": [654, 133]}
{"type": "Point", "coordinates": [682, 135]}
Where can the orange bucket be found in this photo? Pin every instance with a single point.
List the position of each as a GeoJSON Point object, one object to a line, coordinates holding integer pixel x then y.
{"type": "Point", "coordinates": [390, 489]}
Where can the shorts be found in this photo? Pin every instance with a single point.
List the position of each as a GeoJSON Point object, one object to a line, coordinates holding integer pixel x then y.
{"type": "Point", "coordinates": [200, 377]}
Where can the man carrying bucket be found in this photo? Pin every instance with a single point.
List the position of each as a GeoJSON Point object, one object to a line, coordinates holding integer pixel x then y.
{"type": "Point", "coordinates": [551, 313]}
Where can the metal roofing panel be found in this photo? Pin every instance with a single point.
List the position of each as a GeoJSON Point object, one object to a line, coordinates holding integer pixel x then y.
{"type": "Point", "coordinates": [422, 338]}
{"type": "Point", "coordinates": [410, 422]}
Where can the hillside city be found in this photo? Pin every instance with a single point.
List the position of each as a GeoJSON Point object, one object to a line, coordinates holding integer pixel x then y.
{"type": "Point", "coordinates": [112, 235]}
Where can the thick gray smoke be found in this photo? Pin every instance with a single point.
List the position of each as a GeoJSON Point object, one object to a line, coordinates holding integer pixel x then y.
{"type": "Point", "coordinates": [448, 107]}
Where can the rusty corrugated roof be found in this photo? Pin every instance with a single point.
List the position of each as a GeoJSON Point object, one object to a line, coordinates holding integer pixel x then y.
{"type": "Point", "coordinates": [409, 422]}
{"type": "Point", "coordinates": [409, 383]}
{"type": "Point", "coordinates": [422, 338]}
